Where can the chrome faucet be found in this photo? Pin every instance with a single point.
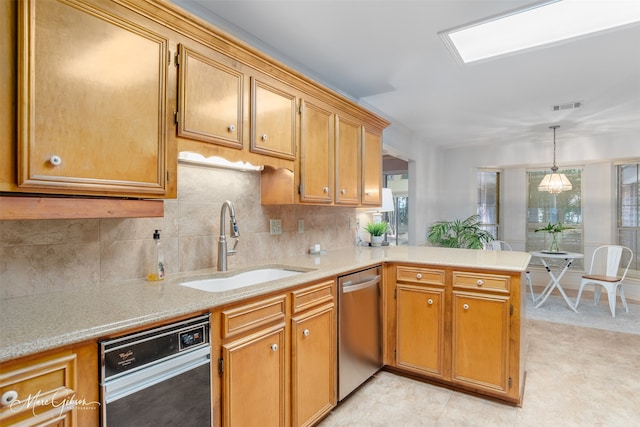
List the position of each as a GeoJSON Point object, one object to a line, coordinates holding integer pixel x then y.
{"type": "Point", "coordinates": [222, 241]}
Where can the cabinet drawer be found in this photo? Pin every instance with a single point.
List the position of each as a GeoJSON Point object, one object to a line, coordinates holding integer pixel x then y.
{"type": "Point", "coordinates": [480, 281]}
{"type": "Point", "coordinates": [246, 317]}
{"type": "Point", "coordinates": [38, 387]}
{"type": "Point", "coordinates": [312, 296]}
{"type": "Point", "coordinates": [420, 275]}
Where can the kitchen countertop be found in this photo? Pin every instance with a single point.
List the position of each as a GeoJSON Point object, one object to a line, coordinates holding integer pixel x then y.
{"type": "Point", "coordinates": [42, 322]}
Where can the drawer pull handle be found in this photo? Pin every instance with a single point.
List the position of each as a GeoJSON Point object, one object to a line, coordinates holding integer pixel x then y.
{"type": "Point", "coordinates": [465, 306]}
{"type": "Point", "coordinates": [274, 347]}
{"type": "Point", "coordinates": [8, 397]}
{"type": "Point", "coordinates": [325, 189]}
{"type": "Point", "coordinates": [429, 301]}
{"type": "Point", "coordinates": [479, 282]}
{"type": "Point", "coordinates": [55, 160]}
{"type": "Point", "coordinates": [306, 332]}
{"type": "Point", "coordinates": [231, 128]}
{"type": "Point", "coordinates": [265, 137]}
{"type": "Point", "coordinates": [419, 276]}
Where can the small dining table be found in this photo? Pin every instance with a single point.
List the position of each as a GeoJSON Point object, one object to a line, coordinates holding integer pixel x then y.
{"type": "Point", "coordinates": [556, 275]}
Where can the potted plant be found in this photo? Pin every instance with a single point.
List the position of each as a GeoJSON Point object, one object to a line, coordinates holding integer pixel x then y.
{"type": "Point", "coordinates": [459, 233]}
{"type": "Point", "coordinates": [377, 231]}
{"type": "Point", "coordinates": [554, 230]}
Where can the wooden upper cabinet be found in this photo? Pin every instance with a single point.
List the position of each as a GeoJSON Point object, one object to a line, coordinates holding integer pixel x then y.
{"type": "Point", "coordinates": [348, 146]}
{"type": "Point", "coordinates": [316, 153]}
{"type": "Point", "coordinates": [92, 86]}
{"type": "Point", "coordinates": [371, 169]}
{"type": "Point", "coordinates": [273, 120]}
{"type": "Point", "coordinates": [210, 98]}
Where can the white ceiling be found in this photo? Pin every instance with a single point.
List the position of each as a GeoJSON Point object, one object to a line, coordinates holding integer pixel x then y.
{"type": "Point", "coordinates": [386, 55]}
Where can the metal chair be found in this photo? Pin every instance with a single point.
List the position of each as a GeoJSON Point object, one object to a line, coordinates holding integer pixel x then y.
{"type": "Point", "coordinates": [501, 245]}
{"type": "Point", "coordinates": [604, 272]}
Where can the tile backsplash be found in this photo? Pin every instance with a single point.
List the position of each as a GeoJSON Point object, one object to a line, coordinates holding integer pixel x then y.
{"type": "Point", "coordinates": [40, 256]}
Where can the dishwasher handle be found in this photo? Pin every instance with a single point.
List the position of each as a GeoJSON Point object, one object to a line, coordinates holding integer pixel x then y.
{"type": "Point", "coordinates": [349, 286]}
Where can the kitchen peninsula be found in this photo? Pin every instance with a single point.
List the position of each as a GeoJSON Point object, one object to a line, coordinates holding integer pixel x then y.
{"type": "Point", "coordinates": [490, 281]}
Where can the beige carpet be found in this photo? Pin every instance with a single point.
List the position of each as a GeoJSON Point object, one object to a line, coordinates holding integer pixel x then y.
{"type": "Point", "coordinates": [555, 310]}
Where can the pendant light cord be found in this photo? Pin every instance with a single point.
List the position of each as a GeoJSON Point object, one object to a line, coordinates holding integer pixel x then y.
{"type": "Point", "coordinates": [554, 168]}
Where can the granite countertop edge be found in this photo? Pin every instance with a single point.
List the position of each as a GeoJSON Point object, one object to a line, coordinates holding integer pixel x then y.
{"type": "Point", "coordinates": [33, 324]}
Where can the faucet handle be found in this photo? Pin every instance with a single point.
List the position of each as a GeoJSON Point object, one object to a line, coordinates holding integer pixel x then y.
{"type": "Point", "coordinates": [233, 250]}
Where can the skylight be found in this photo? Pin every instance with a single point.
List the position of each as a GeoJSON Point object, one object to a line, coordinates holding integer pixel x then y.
{"type": "Point", "coordinates": [537, 25]}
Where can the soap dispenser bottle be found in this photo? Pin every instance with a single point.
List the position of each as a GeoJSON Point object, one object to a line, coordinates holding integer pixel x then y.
{"type": "Point", "coordinates": [156, 270]}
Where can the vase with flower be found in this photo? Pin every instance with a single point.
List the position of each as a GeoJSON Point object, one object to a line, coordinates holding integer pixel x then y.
{"type": "Point", "coordinates": [554, 230]}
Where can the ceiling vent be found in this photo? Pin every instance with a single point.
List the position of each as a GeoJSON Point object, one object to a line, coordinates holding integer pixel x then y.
{"type": "Point", "coordinates": [567, 106]}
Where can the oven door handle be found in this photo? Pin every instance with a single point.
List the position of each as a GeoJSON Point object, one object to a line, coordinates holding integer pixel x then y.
{"type": "Point", "coordinates": [353, 287]}
{"type": "Point", "coordinates": [135, 381]}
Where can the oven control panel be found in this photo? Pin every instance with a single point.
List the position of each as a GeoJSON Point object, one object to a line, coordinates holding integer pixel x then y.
{"type": "Point", "coordinates": [193, 337]}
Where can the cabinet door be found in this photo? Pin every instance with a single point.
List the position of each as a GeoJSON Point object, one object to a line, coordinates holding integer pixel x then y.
{"type": "Point", "coordinates": [481, 340]}
{"type": "Point", "coordinates": [274, 124]}
{"type": "Point", "coordinates": [348, 161]}
{"type": "Point", "coordinates": [420, 329]}
{"type": "Point", "coordinates": [43, 389]}
{"type": "Point", "coordinates": [316, 154]}
{"type": "Point", "coordinates": [94, 86]}
{"type": "Point", "coordinates": [313, 365]}
{"type": "Point", "coordinates": [210, 99]}
{"type": "Point", "coordinates": [254, 379]}
{"type": "Point", "coordinates": [371, 169]}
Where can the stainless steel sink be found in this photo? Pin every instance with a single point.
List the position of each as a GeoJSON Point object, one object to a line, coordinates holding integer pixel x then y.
{"type": "Point", "coordinates": [241, 280]}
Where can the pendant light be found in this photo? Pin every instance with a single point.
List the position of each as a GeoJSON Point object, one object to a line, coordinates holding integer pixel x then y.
{"type": "Point", "coordinates": [554, 182]}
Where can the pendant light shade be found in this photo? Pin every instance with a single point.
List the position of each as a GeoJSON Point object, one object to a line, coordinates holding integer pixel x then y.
{"type": "Point", "coordinates": [554, 182]}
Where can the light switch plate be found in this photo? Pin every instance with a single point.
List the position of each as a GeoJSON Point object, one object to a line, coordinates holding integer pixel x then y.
{"type": "Point", "coordinates": [301, 226]}
{"type": "Point", "coordinates": [275, 226]}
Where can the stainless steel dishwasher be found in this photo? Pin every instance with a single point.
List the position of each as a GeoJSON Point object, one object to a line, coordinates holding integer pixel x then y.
{"type": "Point", "coordinates": [360, 329]}
{"type": "Point", "coordinates": [158, 377]}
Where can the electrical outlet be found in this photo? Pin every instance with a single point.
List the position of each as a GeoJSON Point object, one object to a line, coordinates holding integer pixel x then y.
{"type": "Point", "coordinates": [301, 226]}
{"type": "Point", "coordinates": [354, 223]}
{"type": "Point", "coordinates": [275, 226]}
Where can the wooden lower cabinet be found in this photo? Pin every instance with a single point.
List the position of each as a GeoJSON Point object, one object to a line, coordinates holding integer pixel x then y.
{"type": "Point", "coordinates": [254, 379]}
{"type": "Point", "coordinates": [55, 388]}
{"type": "Point", "coordinates": [313, 392]}
{"type": "Point", "coordinates": [277, 358]}
{"type": "Point", "coordinates": [481, 340]}
{"type": "Point", "coordinates": [460, 328]}
{"type": "Point", "coordinates": [420, 332]}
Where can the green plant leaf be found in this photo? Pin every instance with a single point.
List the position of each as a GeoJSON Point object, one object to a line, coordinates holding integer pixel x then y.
{"type": "Point", "coordinates": [459, 233]}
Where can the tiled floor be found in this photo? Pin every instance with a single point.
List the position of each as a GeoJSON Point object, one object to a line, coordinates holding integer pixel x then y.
{"type": "Point", "coordinates": [575, 377]}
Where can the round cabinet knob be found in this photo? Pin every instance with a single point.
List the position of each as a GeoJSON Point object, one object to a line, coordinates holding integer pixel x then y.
{"type": "Point", "coordinates": [8, 397]}
{"type": "Point", "coordinates": [306, 332]}
{"type": "Point", "coordinates": [55, 160]}
{"type": "Point", "coordinates": [419, 276]}
{"type": "Point", "coordinates": [465, 306]}
{"type": "Point", "coordinates": [367, 193]}
{"type": "Point", "coordinates": [429, 301]}
{"type": "Point", "coordinates": [265, 137]}
{"type": "Point", "coordinates": [231, 128]}
{"type": "Point", "coordinates": [479, 282]}
{"type": "Point", "coordinates": [274, 347]}
{"type": "Point", "coordinates": [325, 189]}
{"type": "Point", "coordinates": [343, 191]}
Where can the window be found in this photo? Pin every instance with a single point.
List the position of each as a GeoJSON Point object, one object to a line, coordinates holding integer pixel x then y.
{"type": "Point", "coordinates": [564, 208]}
{"type": "Point", "coordinates": [488, 208]}
{"type": "Point", "coordinates": [628, 202]}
